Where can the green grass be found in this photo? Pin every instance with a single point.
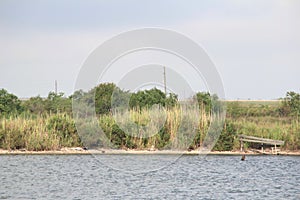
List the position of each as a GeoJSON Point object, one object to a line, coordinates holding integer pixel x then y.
{"type": "Point", "coordinates": [177, 129]}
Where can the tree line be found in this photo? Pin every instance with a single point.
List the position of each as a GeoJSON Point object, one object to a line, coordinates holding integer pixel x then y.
{"type": "Point", "coordinates": [47, 123]}
{"type": "Point", "coordinates": [102, 94]}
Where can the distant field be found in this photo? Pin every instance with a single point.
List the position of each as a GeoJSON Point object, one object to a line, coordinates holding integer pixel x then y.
{"type": "Point", "coordinates": [256, 102]}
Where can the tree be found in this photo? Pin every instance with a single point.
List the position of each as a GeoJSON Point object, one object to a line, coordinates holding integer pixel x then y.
{"type": "Point", "coordinates": [35, 105]}
{"type": "Point", "coordinates": [204, 100]}
{"type": "Point", "coordinates": [291, 104]}
{"type": "Point", "coordinates": [148, 98]}
{"type": "Point", "coordinates": [171, 100]}
{"type": "Point", "coordinates": [58, 103]}
{"type": "Point", "coordinates": [225, 141]}
{"type": "Point", "coordinates": [103, 97]}
{"type": "Point", "coordinates": [9, 103]}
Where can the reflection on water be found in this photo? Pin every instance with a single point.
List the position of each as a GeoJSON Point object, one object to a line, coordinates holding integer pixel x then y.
{"type": "Point", "coordinates": [189, 177]}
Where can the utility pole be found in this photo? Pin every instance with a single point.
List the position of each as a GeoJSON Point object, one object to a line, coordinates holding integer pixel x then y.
{"type": "Point", "coordinates": [55, 86]}
{"type": "Point", "coordinates": [165, 81]}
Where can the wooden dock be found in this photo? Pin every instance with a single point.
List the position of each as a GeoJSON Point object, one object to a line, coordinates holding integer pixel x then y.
{"type": "Point", "coordinates": [262, 141]}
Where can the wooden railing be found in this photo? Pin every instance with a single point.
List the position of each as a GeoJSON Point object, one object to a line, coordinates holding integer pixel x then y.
{"type": "Point", "coordinates": [246, 138]}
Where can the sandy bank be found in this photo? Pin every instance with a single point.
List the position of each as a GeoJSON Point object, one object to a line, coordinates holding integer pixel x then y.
{"type": "Point", "coordinates": [80, 151]}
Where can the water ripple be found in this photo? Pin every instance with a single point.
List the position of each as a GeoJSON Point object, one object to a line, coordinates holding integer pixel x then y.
{"type": "Point", "coordinates": [190, 177]}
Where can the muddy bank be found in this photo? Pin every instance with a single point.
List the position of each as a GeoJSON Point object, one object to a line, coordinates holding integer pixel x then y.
{"type": "Point", "coordinates": [79, 150]}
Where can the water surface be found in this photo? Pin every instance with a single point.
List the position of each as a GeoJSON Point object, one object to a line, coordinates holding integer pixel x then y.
{"type": "Point", "coordinates": [189, 177]}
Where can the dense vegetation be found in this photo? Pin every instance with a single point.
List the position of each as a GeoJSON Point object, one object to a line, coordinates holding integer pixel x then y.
{"type": "Point", "coordinates": [48, 124]}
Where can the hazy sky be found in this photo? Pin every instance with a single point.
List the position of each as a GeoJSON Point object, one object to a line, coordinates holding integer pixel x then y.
{"type": "Point", "coordinates": [254, 44]}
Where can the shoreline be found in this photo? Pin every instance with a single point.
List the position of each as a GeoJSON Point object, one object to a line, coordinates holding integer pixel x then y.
{"type": "Point", "coordinates": [80, 151]}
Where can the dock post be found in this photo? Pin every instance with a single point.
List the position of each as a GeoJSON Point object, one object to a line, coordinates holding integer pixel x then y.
{"type": "Point", "coordinates": [241, 145]}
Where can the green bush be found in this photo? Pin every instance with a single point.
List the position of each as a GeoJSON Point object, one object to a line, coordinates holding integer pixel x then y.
{"type": "Point", "coordinates": [226, 138]}
{"type": "Point", "coordinates": [63, 126]}
{"type": "Point", "coordinates": [9, 103]}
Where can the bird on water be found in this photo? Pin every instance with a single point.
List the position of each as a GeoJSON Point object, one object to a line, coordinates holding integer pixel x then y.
{"type": "Point", "coordinates": [243, 157]}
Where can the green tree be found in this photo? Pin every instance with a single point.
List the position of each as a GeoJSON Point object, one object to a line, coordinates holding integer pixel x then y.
{"type": "Point", "coordinates": [35, 105]}
{"type": "Point", "coordinates": [172, 100]}
{"type": "Point", "coordinates": [148, 98]}
{"type": "Point", "coordinates": [226, 140]}
{"type": "Point", "coordinates": [204, 100]}
{"type": "Point", "coordinates": [56, 103]}
{"type": "Point", "coordinates": [9, 103]}
{"type": "Point", "coordinates": [103, 97]}
{"type": "Point", "coordinates": [290, 104]}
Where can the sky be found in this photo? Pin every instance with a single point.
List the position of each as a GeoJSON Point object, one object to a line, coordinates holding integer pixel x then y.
{"type": "Point", "coordinates": [254, 44]}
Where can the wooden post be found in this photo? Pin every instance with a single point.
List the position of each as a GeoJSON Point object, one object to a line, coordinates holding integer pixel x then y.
{"type": "Point", "coordinates": [55, 87]}
{"type": "Point", "coordinates": [262, 141]}
{"type": "Point", "coordinates": [165, 81]}
{"type": "Point", "coordinates": [241, 145]}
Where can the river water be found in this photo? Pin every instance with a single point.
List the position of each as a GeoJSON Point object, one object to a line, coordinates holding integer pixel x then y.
{"type": "Point", "coordinates": [187, 177]}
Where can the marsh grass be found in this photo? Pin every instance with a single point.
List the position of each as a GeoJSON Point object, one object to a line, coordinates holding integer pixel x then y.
{"type": "Point", "coordinates": [40, 133]}
{"type": "Point", "coordinates": [261, 119]}
{"type": "Point", "coordinates": [175, 127]}
{"type": "Point", "coordinates": [178, 127]}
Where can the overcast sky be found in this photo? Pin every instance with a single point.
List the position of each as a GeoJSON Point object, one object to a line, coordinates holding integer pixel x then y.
{"type": "Point", "coordinates": [254, 44]}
